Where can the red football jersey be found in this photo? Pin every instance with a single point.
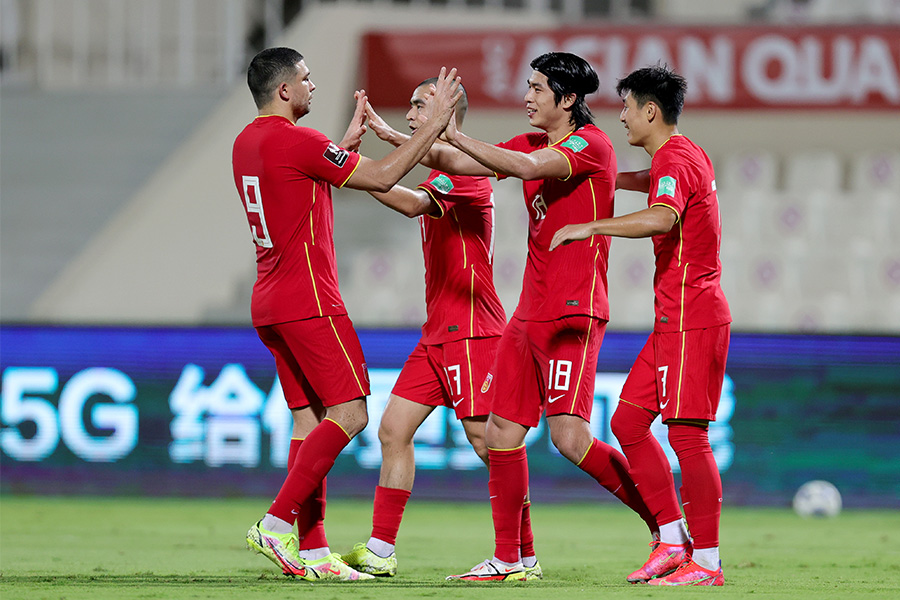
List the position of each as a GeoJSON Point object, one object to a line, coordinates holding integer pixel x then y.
{"type": "Point", "coordinates": [688, 269]}
{"type": "Point", "coordinates": [284, 175]}
{"type": "Point", "coordinates": [458, 245]}
{"type": "Point", "coordinates": [571, 280]}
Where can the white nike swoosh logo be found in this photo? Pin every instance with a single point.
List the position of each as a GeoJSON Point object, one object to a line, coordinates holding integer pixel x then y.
{"type": "Point", "coordinates": [553, 399]}
{"type": "Point", "coordinates": [663, 405]}
{"type": "Point", "coordinates": [455, 404]}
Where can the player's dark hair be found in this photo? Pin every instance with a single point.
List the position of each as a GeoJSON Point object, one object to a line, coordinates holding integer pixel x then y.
{"type": "Point", "coordinates": [658, 84]}
{"type": "Point", "coordinates": [569, 74]}
{"type": "Point", "coordinates": [269, 69]}
{"type": "Point", "coordinates": [461, 107]}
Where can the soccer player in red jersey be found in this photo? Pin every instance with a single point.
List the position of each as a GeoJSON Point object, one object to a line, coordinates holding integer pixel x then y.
{"type": "Point", "coordinates": [283, 174]}
{"type": "Point", "coordinates": [679, 372]}
{"type": "Point", "coordinates": [547, 357]}
{"type": "Point", "coordinates": [459, 338]}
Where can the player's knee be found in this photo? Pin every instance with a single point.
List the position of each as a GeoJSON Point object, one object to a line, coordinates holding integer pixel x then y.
{"type": "Point", "coordinates": [568, 444]}
{"type": "Point", "coordinates": [688, 439]}
{"type": "Point", "coordinates": [391, 435]}
{"type": "Point", "coordinates": [629, 424]}
{"type": "Point", "coordinates": [352, 416]}
{"type": "Point", "coordinates": [479, 445]}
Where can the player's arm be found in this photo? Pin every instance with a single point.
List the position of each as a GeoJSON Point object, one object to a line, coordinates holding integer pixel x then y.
{"type": "Point", "coordinates": [405, 201]}
{"type": "Point", "coordinates": [381, 175]}
{"type": "Point", "coordinates": [545, 163]}
{"type": "Point", "coordinates": [440, 156]}
{"type": "Point", "coordinates": [636, 181]}
{"type": "Point", "coordinates": [651, 221]}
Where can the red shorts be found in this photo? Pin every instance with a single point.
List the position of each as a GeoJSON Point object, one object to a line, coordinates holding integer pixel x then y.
{"type": "Point", "coordinates": [545, 365]}
{"type": "Point", "coordinates": [319, 360]}
{"type": "Point", "coordinates": [448, 374]}
{"type": "Point", "coordinates": [680, 374]}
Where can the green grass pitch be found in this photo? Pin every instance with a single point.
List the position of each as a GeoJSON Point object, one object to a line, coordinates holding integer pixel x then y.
{"type": "Point", "coordinates": [73, 548]}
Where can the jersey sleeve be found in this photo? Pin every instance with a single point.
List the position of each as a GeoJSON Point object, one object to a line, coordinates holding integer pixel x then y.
{"type": "Point", "coordinates": [526, 142]}
{"type": "Point", "coordinates": [320, 158]}
{"type": "Point", "coordinates": [586, 154]}
{"type": "Point", "coordinates": [448, 191]}
{"type": "Point", "coordinates": [669, 186]}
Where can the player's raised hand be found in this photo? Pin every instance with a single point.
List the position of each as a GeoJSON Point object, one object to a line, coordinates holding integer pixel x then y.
{"type": "Point", "coordinates": [451, 130]}
{"type": "Point", "coordinates": [357, 128]}
{"type": "Point", "coordinates": [570, 233]}
{"type": "Point", "coordinates": [447, 92]}
{"type": "Point", "coordinates": [382, 129]}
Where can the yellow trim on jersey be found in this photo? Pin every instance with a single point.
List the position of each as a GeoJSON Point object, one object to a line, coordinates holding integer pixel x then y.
{"type": "Point", "coordinates": [558, 142]}
{"type": "Point", "coordinates": [587, 340]}
{"type": "Point", "coordinates": [293, 439]}
{"type": "Point", "coordinates": [312, 230]}
{"type": "Point", "coordinates": [347, 356]}
{"type": "Point", "coordinates": [568, 162]}
{"type": "Point", "coordinates": [594, 281]}
{"type": "Point", "coordinates": [683, 285]}
{"type": "Point", "coordinates": [506, 449]}
{"type": "Point", "coordinates": [273, 115]}
{"type": "Point", "coordinates": [436, 201]}
{"type": "Point", "coordinates": [667, 141]}
{"type": "Point", "coordinates": [680, 374]}
{"type": "Point", "coordinates": [471, 383]}
{"type": "Point", "coordinates": [351, 173]}
{"type": "Point", "coordinates": [672, 208]}
{"type": "Point", "coordinates": [312, 278]}
{"type": "Point", "coordinates": [349, 437]}
{"type": "Point", "coordinates": [472, 304]}
{"type": "Point", "coordinates": [462, 239]}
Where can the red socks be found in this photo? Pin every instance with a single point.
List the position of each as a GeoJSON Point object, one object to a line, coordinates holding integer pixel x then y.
{"type": "Point", "coordinates": [701, 485]}
{"type": "Point", "coordinates": [314, 458]}
{"type": "Point", "coordinates": [388, 512]}
{"type": "Point", "coordinates": [508, 487]}
{"type": "Point", "coordinates": [610, 468]}
{"type": "Point", "coordinates": [311, 520]}
{"type": "Point", "coordinates": [649, 466]}
{"type": "Point", "coordinates": [527, 535]}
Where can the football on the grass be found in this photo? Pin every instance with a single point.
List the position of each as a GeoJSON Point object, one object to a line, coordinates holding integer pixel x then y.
{"type": "Point", "coordinates": [817, 499]}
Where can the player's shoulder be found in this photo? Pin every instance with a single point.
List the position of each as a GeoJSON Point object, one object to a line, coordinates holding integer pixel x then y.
{"type": "Point", "coordinates": [588, 137]}
{"type": "Point", "coordinates": [529, 140]}
{"type": "Point", "coordinates": [680, 146]}
{"type": "Point", "coordinates": [458, 185]}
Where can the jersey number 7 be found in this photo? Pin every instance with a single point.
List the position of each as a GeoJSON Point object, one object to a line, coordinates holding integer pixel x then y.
{"type": "Point", "coordinates": [255, 214]}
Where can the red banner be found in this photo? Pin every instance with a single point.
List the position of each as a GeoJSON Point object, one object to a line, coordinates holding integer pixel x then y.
{"type": "Point", "coordinates": [853, 67]}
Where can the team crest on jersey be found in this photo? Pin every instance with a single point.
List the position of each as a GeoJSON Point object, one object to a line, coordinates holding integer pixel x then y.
{"type": "Point", "coordinates": [442, 184]}
{"type": "Point", "coordinates": [575, 143]}
{"type": "Point", "coordinates": [666, 187]}
{"type": "Point", "coordinates": [487, 383]}
{"type": "Point", "coordinates": [336, 155]}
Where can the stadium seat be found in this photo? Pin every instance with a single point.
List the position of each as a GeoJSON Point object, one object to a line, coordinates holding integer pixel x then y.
{"type": "Point", "coordinates": [814, 170]}
{"type": "Point", "coordinates": [882, 287]}
{"type": "Point", "coordinates": [832, 291]}
{"type": "Point", "coordinates": [745, 171]}
{"type": "Point", "coordinates": [869, 218]}
{"type": "Point", "coordinates": [761, 286]}
{"type": "Point", "coordinates": [876, 171]}
{"type": "Point", "coordinates": [784, 221]}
